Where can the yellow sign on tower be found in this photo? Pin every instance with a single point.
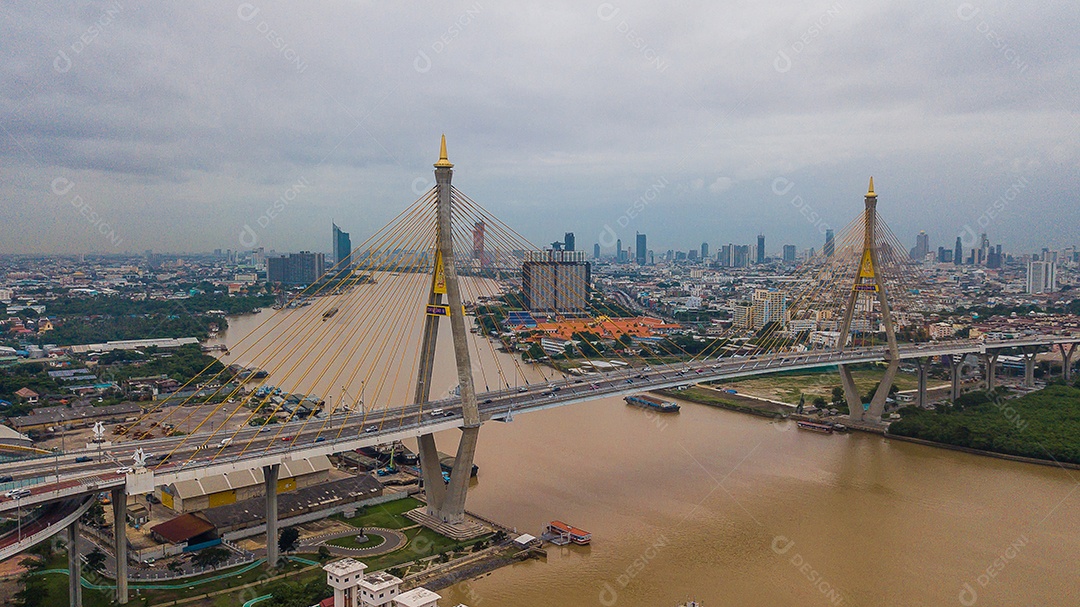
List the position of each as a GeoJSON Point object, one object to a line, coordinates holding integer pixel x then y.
{"type": "Point", "coordinates": [440, 277]}
{"type": "Point", "coordinates": [866, 270]}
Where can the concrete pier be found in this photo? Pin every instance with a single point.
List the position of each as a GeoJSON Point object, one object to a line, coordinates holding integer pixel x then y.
{"type": "Point", "coordinates": [119, 504]}
{"type": "Point", "coordinates": [74, 566]}
{"type": "Point", "coordinates": [270, 473]}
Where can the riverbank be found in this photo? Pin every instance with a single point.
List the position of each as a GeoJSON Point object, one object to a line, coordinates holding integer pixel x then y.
{"type": "Point", "coordinates": [732, 402]}
{"type": "Point", "coordinates": [1005, 422]}
{"type": "Point", "coordinates": [1042, 425]}
{"type": "Point", "coordinates": [1005, 456]}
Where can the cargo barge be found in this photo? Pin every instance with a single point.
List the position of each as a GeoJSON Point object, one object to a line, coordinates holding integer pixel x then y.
{"type": "Point", "coordinates": [649, 402]}
{"type": "Point", "coordinates": [815, 427]}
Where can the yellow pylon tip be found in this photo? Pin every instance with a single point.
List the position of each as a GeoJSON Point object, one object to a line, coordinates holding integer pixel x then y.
{"type": "Point", "coordinates": [443, 160]}
{"type": "Point", "coordinates": [869, 193]}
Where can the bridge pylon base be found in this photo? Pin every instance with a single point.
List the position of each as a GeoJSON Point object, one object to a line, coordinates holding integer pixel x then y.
{"type": "Point", "coordinates": [431, 471]}
{"type": "Point", "coordinates": [851, 394]}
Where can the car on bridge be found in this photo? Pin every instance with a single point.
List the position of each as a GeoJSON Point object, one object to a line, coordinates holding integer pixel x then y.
{"type": "Point", "coordinates": [125, 470]}
{"type": "Point", "coordinates": [371, 429]}
{"type": "Point", "coordinates": [17, 493]}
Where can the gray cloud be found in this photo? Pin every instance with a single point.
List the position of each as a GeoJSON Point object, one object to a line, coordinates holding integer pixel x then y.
{"type": "Point", "coordinates": [179, 123]}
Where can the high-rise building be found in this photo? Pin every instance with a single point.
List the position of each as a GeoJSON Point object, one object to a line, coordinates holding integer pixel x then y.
{"type": "Point", "coordinates": [1041, 277]}
{"type": "Point", "coordinates": [789, 253]}
{"type": "Point", "coordinates": [618, 250]}
{"type": "Point", "coordinates": [556, 281]}
{"type": "Point", "coordinates": [342, 248]}
{"type": "Point", "coordinates": [760, 248]}
{"type": "Point", "coordinates": [830, 247]}
{"type": "Point", "coordinates": [479, 245]}
{"type": "Point", "coordinates": [704, 251]}
{"type": "Point", "coordinates": [568, 241]}
{"type": "Point", "coordinates": [640, 249]}
{"type": "Point", "coordinates": [596, 251]}
{"type": "Point", "coordinates": [766, 307]}
{"type": "Point", "coordinates": [726, 257]}
{"type": "Point", "coordinates": [922, 246]}
{"type": "Point", "coordinates": [303, 268]}
{"type": "Point", "coordinates": [741, 256]}
{"type": "Point", "coordinates": [692, 254]}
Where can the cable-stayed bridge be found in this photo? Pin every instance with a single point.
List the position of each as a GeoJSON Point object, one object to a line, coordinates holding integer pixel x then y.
{"type": "Point", "coordinates": [368, 333]}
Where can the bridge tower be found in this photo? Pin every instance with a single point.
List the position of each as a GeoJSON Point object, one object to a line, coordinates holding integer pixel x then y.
{"type": "Point", "coordinates": [869, 283]}
{"type": "Point", "coordinates": [446, 502]}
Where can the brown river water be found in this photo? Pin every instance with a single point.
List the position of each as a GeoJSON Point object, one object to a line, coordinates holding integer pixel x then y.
{"type": "Point", "coordinates": [711, 505]}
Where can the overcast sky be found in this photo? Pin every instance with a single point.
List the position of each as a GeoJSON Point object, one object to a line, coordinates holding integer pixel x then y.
{"type": "Point", "coordinates": [173, 125]}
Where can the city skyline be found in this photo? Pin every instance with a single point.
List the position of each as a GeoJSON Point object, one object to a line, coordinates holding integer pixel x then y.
{"type": "Point", "coordinates": [227, 134]}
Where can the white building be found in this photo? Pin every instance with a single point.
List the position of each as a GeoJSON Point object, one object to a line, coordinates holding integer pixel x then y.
{"type": "Point", "coordinates": [1041, 277]}
{"type": "Point", "coordinates": [354, 589]}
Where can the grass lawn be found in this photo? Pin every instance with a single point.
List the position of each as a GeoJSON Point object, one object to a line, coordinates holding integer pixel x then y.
{"type": "Point", "coordinates": [353, 543]}
{"type": "Point", "coordinates": [390, 515]}
{"type": "Point", "coordinates": [787, 387]}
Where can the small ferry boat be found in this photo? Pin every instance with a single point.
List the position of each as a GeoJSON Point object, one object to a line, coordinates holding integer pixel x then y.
{"type": "Point", "coordinates": [815, 427]}
{"type": "Point", "coordinates": [649, 402]}
{"type": "Point", "coordinates": [329, 314]}
{"type": "Point", "coordinates": [578, 536]}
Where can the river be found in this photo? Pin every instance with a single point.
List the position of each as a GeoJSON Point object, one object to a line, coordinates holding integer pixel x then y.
{"type": "Point", "coordinates": [731, 509]}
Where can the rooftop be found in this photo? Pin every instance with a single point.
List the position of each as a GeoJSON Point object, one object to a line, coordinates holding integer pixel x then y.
{"type": "Point", "coordinates": [380, 581]}
{"type": "Point", "coordinates": [417, 597]}
{"type": "Point", "coordinates": [182, 528]}
{"type": "Point", "coordinates": [344, 567]}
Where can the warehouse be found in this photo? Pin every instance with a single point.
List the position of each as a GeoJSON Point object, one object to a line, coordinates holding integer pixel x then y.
{"type": "Point", "coordinates": [223, 489]}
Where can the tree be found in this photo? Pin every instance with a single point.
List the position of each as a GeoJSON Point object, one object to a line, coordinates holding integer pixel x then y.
{"type": "Point", "coordinates": [837, 395]}
{"type": "Point", "coordinates": [324, 553]}
{"type": "Point", "coordinates": [210, 557]}
{"type": "Point", "coordinates": [34, 592]}
{"type": "Point", "coordinates": [298, 594]}
{"type": "Point", "coordinates": [95, 561]}
{"type": "Point", "coordinates": [287, 539]}
{"type": "Point", "coordinates": [95, 515]}
{"type": "Point", "coordinates": [175, 566]}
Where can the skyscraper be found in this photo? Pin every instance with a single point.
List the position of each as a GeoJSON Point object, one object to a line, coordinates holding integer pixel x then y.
{"type": "Point", "coordinates": [958, 252]}
{"type": "Point", "coordinates": [640, 249]}
{"type": "Point", "coordinates": [704, 251]}
{"type": "Point", "coordinates": [342, 248]}
{"type": "Point", "coordinates": [789, 253]}
{"type": "Point", "coordinates": [922, 246]}
{"type": "Point", "coordinates": [1041, 277]}
{"type": "Point", "coordinates": [760, 248]}
{"type": "Point", "coordinates": [596, 251]}
{"type": "Point", "coordinates": [829, 248]}
{"type": "Point", "coordinates": [568, 241]}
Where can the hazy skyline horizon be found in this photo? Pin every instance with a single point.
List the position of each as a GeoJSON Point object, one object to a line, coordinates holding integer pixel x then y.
{"type": "Point", "coordinates": [126, 127]}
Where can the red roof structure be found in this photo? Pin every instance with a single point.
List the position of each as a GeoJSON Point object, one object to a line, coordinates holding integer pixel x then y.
{"type": "Point", "coordinates": [182, 528]}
